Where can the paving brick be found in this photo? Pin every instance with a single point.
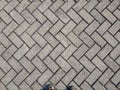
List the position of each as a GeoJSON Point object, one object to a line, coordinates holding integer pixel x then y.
{"type": "Point", "coordinates": [2, 49]}
{"type": "Point", "coordinates": [2, 25]}
{"type": "Point", "coordinates": [99, 64]}
{"type": "Point", "coordinates": [9, 52]}
{"type": "Point", "coordinates": [36, 86]}
{"type": "Point", "coordinates": [21, 52]}
{"type": "Point", "coordinates": [28, 17]}
{"type": "Point", "coordinates": [94, 76]}
{"type": "Point", "coordinates": [12, 86]}
{"type": "Point", "coordinates": [20, 77]}
{"type": "Point", "coordinates": [5, 17]}
{"type": "Point", "coordinates": [81, 76]}
{"type": "Point", "coordinates": [25, 86]}
{"type": "Point", "coordinates": [22, 6]}
{"type": "Point", "coordinates": [27, 39]}
{"type": "Point", "coordinates": [86, 86]}
{"type": "Point", "coordinates": [98, 86]}
{"type": "Point", "coordinates": [10, 28]}
{"type": "Point", "coordinates": [93, 51]}
{"type": "Point", "coordinates": [51, 64]}
{"type": "Point", "coordinates": [39, 16]}
{"type": "Point", "coordinates": [2, 86]}
{"type": "Point", "coordinates": [80, 51]}
{"type": "Point", "coordinates": [8, 77]}
{"type": "Point", "coordinates": [86, 16]}
{"type": "Point", "coordinates": [98, 39]}
{"type": "Point", "coordinates": [15, 40]}
{"type": "Point", "coordinates": [1, 75]}
{"type": "Point", "coordinates": [19, 30]}
{"type": "Point", "coordinates": [110, 39]}
{"type": "Point", "coordinates": [110, 86]}
{"type": "Point", "coordinates": [63, 64]}
{"type": "Point", "coordinates": [16, 16]}
{"type": "Point", "coordinates": [11, 5]}
{"type": "Point", "coordinates": [87, 64]}
{"type": "Point", "coordinates": [45, 77]}
{"type": "Point", "coordinates": [75, 64]}
{"type": "Point", "coordinates": [2, 4]}
{"type": "Point", "coordinates": [117, 13]}
{"type": "Point", "coordinates": [57, 51]}
{"type": "Point", "coordinates": [117, 36]}
{"type": "Point", "coordinates": [33, 77]}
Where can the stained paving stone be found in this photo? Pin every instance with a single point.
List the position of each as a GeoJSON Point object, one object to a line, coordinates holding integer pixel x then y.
{"type": "Point", "coordinates": [64, 42]}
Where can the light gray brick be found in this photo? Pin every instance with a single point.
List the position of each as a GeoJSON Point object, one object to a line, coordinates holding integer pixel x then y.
{"type": "Point", "coordinates": [45, 77]}
{"type": "Point", "coordinates": [68, 51]}
{"type": "Point", "coordinates": [116, 52]}
{"type": "Point", "coordinates": [86, 16]}
{"type": "Point", "coordinates": [75, 64]}
{"type": "Point", "coordinates": [62, 15]}
{"type": "Point", "coordinates": [111, 86]}
{"type": "Point", "coordinates": [118, 60]}
{"type": "Point", "coordinates": [110, 39]}
{"type": "Point", "coordinates": [44, 5]}
{"type": "Point", "coordinates": [68, 28]}
{"type": "Point", "coordinates": [63, 64]}
{"type": "Point", "coordinates": [109, 16]}
{"type": "Point", "coordinates": [94, 76]}
{"type": "Point", "coordinates": [15, 64]}
{"type": "Point", "coordinates": [57, 27]}
{"type": "Point", "coordinates": [117, 13]}
{"type": "Point", "coordinates": [15, 39]}
{"type": "Point", "coordinates": [2, 49]}
{"type": "Point", "coordinates": [51, 16]}
{"type": "Point", "coordinates": [10, 28]}
{"type": "Point", "coordinates": [16, 16]}
{"type": "Point", "coordinates": [21, 52]}
{"type": "Point", "coordinates": [11, 5]}
{"type": "Point", "coordinates": [117, 36]}
{"type": "Point", "coordinates": [45, 27]}
{"type": "Point", "coordinates": [2, 25]}
{"type": "Point", "coordinates": [98, 39]}
{"type": "Point", "coordinates": [86, 39]}
{"type": "Point", "coordinates": [92, 27]}
{"type": "Point", "coordinates": [74, 39]}
{"type": "Point", "coordinates": [28, 17]}
{"type": "Point", "coordinates": [4, 40]}
{"type": "Point", "coordinates": [27, 64]}
{"type": "Point", "coordinates": [9, 52]}
{"type": "Point", "coordinates": [98, 86]}
{"type": "Point", "coordinates": [111, 64]}
{"type": "Point", "coordinates": [57, 77]}
{"type": "Point", "coordinates": [99, 64]}
{"type": "Point", "coordinates": [69, 76]}
{"type": "Point", "coordinates": [20, 29]}
{"type": "Point", "coordinates": [60, 86]}
{"type": "Point", "coordinates": [25, 86]}
{"type": "Point", "coordinates": [62, 39]}
{"type": "Point", "coordinates": [103, 28]}
{"type": "Point", "coordinates": [51, 39]}
{"type": "Point", "coordinates": [81, 76]}
{"type": "Point", "coordinates": [80, 27]}
{"type": "Point", "coordinates": [92, 51]}
{"type": "Point", "coordinates": [9, 76]}
{"type": "Point", "coordinates": [106, 76]}
{"type": "Point", "coordinates": [33, 77]}
{"type": "Point", "coordinates": [22, 5]}
{"type": "Point", "coordinates": [33, 52]}
{"type": "Point", "coordinates": [87, 64]}
{"type": "Point", "coordinates": [39, 64]}
{"type": "Point", "coordinates": [27, 39]}
{"type": "Point", "coordinates": [1, 75]}
{"type": "Point", "coordinates": [39, 16]}
{"type": "Point", "coordinates": [86, 86]}
{"type": "Point", "coordinates": [45, 51]}
{"type": "Point", "coordinates": [80, 51]}
{"type": "Point", "coordinates": [2, 4]}
{"type": "Point", "coordinates": [36, 86]}
{"type": "Point", "coordinates": [12, 86]}
{"type": "Point", "coordinates": [57, 51]}
{"type": "Point", "coordinates": [51, 64]}
{"type": "Point", "coordinates": [5, 17]}
{"type": "Point", "coordinates": [39, 39]}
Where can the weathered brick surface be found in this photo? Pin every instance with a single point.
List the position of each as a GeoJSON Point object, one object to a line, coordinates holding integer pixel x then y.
{"type": "Point", "coordinates": [64, 42]}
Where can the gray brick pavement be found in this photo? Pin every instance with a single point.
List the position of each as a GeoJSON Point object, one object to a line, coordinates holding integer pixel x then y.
{"type": "Point", "coordinates": [64, 42]}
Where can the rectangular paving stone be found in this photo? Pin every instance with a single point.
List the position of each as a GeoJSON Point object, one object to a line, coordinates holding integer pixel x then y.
{"type": "Point", "coordinates": [15, 40]}
{"type": "Point", "coordinates": [9, 52]}
{"type": "Point", "coordinates": [21, 52]}
{"type": "Point", "coordinates": [86, 86]}
{"type": "Point", "coordinates": [2, 49]}
{"type": "Point", "coordinates": [80, 51]}
{"type": "Point", "coordinates": [51, 64]}
{"type": "Point", "coordinates": [12, 86]}
{"type": "Point", "coordinates": [1, 74]}
{"type": "Point", "coordinates": [111, 86]}
{"type": "Point", "coordinates": [98, 86]}
{"type": "Point", "coordinates": [63, 64]}
{"type": "Point", "coordinates": [45, 77]}
{"type": "Point", "coordinates": [45, 51]}
{"type": "Point", "coordinates": [24, 86]}
{"type": "Point", "coordinates": [2, 4]}
{"type": "Point", "coordinates": [16, 16]}
{"type": "Point", "coordinates": [69, 49]}
{"type": "Point", "coordinates": [87, 63]}
{"type": "Point", "coordinates": [39, 64]}
{"type": "Point", "coordinates": [2, 25]}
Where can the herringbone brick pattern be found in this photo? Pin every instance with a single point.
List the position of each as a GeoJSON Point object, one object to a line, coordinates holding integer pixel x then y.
{"type": "Point", "coordinates": [65, 42]}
